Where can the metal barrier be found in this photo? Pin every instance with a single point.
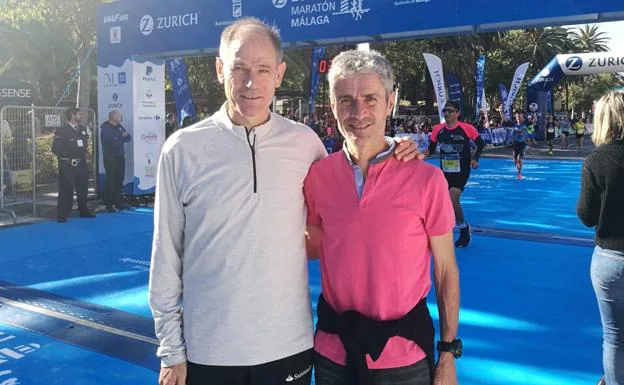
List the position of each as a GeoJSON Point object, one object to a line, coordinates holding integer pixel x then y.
{"type": "Point", "coordinates": [28, 168]}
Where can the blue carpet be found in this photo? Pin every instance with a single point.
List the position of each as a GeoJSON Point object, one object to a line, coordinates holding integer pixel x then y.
{"type": "Point", "coordinates": [528, 313]}
{"type": "Point", "coordinates": [51, 362]}
{"type": "Point", "coordinates": [104, 261]}
{"type": "Point", "coordinates": [544, 201]}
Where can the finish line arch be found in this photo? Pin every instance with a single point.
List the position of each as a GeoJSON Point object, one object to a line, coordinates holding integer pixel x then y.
{"type": "Point", "coordinates": [133, 37]}
{"type": "Point", "coordinates": [567, 65]}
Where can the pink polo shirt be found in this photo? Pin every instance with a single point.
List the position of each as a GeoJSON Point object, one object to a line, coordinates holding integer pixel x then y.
{"type": "Point", "coordinates": [376, 255]}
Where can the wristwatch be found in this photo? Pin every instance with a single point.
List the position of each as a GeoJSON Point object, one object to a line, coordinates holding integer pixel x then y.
{"type": "Point", "coordinates": [454, 347]}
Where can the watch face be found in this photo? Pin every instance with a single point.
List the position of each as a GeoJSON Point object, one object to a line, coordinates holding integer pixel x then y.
{"type": "Point", "coordinates": [459, 348]}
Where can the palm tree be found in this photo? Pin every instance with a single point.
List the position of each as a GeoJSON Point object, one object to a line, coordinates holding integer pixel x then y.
{"type": "Point", "coordinates": [588, 39]}
{"type": "Point", "coordinates": [548, 42]}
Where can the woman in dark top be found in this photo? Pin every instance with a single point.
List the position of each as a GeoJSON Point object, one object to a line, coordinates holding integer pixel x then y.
{"type": "Point", "coordinates": [601, 205]}
{"type": "Point", "coordinates": [551, 127]}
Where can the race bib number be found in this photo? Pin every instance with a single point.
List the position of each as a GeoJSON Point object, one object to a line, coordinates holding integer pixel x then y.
{"type": "Point", "coordinates": [580, 131]}
{"type": "Point", "coordinates": [551, 130]}
{"type": "Point", "coordinates": [79, 143]}
{"type": "Point", "coordinates": [450, 163]}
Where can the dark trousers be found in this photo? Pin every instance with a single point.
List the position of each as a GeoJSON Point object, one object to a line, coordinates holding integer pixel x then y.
{"type": "Point", "coordinates": [115, 167]}
{"type": "Point", "coordinates": [294, 370]}
{"type": "Point", "coordinates": [326, 372]}
{"type": "Point", "coordinates": [72, 177]}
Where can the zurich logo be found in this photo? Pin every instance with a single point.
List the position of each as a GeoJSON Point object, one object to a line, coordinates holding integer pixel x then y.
{"type": "Point", "coordinates": [574, 63]}
{"type": "Point", "coordinates": [115, 97]}
{"type": "Point", "coordinates": [533, 107]}
{"type": "Point", "coordinates": [279, 3]}
{"type": "Point", "coordinates": [148, 93]}
{"type": "Point", "coordinates": [180, 82]}
{"type": "Point", "coordinates": [146, 25]}
{"type": "Point", "coordinates": [545, 72]}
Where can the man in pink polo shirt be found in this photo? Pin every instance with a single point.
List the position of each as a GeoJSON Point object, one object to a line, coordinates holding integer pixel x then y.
{"type": "Point", "coordinates": [374, 326]}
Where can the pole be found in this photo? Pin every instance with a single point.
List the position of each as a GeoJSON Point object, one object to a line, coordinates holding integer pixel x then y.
{"type": "Point", "coordinates": [2, 188]}
{"type": "Point", "coordinates": [78, 91]}
{"type": "Point", "coordinates": [34, 159]}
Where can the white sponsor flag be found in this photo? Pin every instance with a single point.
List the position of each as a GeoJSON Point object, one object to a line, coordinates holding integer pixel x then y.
{"type": "Point", "coordinates": [516, 83]}
{"type": "Point", "coordinates": [397, 100]}
{"type": "Point", "coordinates": [434, 64]}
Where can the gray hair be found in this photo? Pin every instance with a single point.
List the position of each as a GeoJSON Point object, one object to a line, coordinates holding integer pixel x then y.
{"type": "Point", "coordinates": [357, 62]}
{"type": "Point", "coordinates": [609, 118]}
{"type": "Point", "coordinates": [231, 32]}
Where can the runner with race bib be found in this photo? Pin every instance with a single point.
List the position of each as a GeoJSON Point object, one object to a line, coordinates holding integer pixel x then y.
{"type": "Point", "coordinates": [520, 141]}
{"type": "Point", "coordinates": [456, 160]}
{"type": "Point", "coordinates": [551, 127]}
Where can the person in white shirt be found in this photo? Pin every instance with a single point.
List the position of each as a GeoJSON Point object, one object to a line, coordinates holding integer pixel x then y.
{"type": "Point", "coordinates": [229, 224]}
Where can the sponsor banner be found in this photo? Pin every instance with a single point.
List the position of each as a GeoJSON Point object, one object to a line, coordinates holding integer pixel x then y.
{"type": "Point", "coordinates": [591, 63]}
{"type": "Point", "coordinates": [516, 83]}
{"type": "Point", "coordinates": [455, 91]}
{"type": "Point", "coordinates": [150, 27]}
{"type": "Point", "coordinates": [181, 89]}
{"type": "Point", "coordinates": [149, 121]}
{"type": "Point", "coordinates": [480, 100]}
{"type": "Point", "coordinates": [434, 64]}
{"type": "Point", "coordinates": [503, 93]}
{"type": "Point", "coordinates": [115, 93]}
{"type": "Point", "coordinates": [317, 54]}
{"type": "Point", "coordinates": [16, 93]}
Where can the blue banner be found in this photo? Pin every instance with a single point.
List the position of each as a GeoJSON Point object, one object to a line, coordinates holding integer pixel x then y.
{"type": "Point", "coordinates": [502, 91]}
{"type": "Point", "coordinates": [317, 54]}
{"type": "Point", "coordinates": [191, 27]}
{"type": "Point", "coordinates": [181, 89]}
{"type": "Point", "coordinates": [455, 91]}
{"type": "Point", "coordinates": [480, 102]}
{"type": "Point", "coordinates": [538, 89]}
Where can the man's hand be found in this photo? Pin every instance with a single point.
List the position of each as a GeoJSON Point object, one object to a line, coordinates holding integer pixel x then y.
{"type": "Point", "coordinates": [475, 164]}
{"type": "Point", "coordinates": [446, 374]}
{"type": "Point", "coordinates": [173, 375]}
{"type": "Point", "coordinates": [407, 150]}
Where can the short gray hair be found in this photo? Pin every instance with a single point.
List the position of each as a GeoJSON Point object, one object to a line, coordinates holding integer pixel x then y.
{"type": "Point", "coordinates": [231, 32]}
{"type": "Point", "coordinates": [357, 62]}
{"type": "Point", "coordinates": [609, 118]}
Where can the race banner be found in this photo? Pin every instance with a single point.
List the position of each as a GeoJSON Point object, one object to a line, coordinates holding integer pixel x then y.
{"type": "Point", "coordinates": [434, 64]}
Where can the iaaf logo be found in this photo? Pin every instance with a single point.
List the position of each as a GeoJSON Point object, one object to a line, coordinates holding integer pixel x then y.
{"type": "Point", "coordinates": [147, 25]}
{"type": "Point", "coordinates": [115, 18]}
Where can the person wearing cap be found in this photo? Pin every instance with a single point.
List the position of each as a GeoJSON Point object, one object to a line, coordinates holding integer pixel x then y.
{"type": "Point", "coordinates": [456, 159]}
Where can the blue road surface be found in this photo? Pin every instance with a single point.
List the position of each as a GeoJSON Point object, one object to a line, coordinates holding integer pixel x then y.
{"type": "Point", "coordinates": [73, 297]}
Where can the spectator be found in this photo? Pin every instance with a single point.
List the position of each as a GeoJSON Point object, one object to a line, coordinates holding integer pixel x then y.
{"type": "Point", "coordinates": [601, 206]}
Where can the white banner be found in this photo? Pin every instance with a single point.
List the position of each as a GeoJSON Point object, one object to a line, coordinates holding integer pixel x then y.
{"type": "Point", "coordinates": [516, 83]}
{"type": "Point", "coordinates": [591, 63]}
{"type": "Point", "coordinates": [148, 121]}
{"type": "Point", "coordinates": [115, 93]}
{"type": "Point", "coordinates": [434, 64]}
